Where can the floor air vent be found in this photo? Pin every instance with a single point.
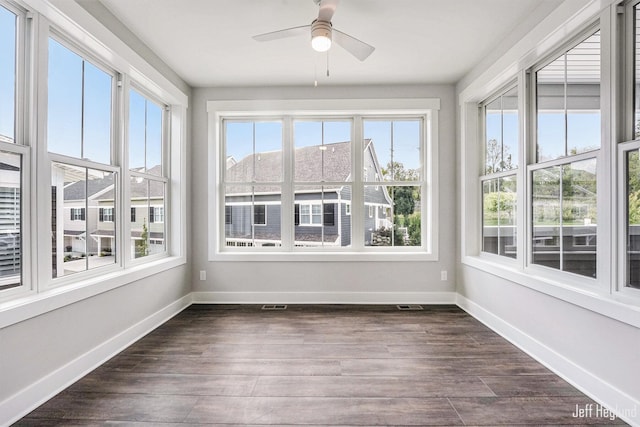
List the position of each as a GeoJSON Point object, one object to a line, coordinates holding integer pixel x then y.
{"type": "Point", "coordinates": [274, 307]}
{"type": "Point", "coordinates": [409, 307]}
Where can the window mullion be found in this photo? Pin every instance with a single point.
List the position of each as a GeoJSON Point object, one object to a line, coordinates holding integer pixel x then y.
{"type": "Point", "coordinates": [357, 192]}
{"type": "Point", "coordinates": [287, 207]}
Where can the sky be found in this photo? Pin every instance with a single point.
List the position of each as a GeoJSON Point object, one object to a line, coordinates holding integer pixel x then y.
{"type": "Point", "coordinates": [7, 71]}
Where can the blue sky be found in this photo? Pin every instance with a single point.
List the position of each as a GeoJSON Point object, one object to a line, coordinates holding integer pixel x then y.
{"type": "Point", "coordinates": [69, 135]}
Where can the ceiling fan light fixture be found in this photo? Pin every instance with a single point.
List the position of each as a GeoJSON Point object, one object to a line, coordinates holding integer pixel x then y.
{"type": "Point", "coordinates": [321, 36]}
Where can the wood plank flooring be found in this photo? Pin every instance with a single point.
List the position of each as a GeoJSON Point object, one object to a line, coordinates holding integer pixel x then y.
{"type": "Point", "coordinates": [318, 365]}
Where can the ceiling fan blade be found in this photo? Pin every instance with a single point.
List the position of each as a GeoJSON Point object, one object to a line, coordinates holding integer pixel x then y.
{"type": "Point", "coordinates": [327, 9]}
{"type": "Point", "coordinates": [357, 48]}
{"type": "Point", "coordinates": [281, 34]}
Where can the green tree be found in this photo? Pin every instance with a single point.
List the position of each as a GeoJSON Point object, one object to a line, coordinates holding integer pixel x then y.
{"type": "Point", "coordinates": [142, 245]}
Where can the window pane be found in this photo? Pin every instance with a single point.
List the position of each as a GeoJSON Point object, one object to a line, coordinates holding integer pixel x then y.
{"type": "Point", "coordinates": [320, 216]}
{"type": "Point", "coordinates": [396, 147]}
{"type": "Point", "coordinates": [7, 75]}
{"type": "Point", "coordinates": [97, 115]}
{"type": "Point", "coordinates": [64, 131]}
{"type": "Point", "coordinates": [254, 151]}
{"type": "Point", "coordinates": [145, 134]}
{"type": "Point", "coordinates": [510, 129]}
{"type": "Point", "coordinates": [392, 216]}
{"type": "Point", "coordinates": [255, 216]}
{"type": "Point", "coordinates": [499, 216]}
{"type": "Point", "coordinates": [81, 241]}
{"type": "Point", "coordinates": [507, 216]}
{"type": "Point", "coordinates": [564, 213]}
{"type": "Point", "coordinates": [137, 131]}
{"type": "Point", "coordinates": [493, 129]}
{"type": "Point", "coordinates": [568, 102]}
{"type": "Point", "coordinates": [633, 219]}
{"type": "Point", "coordinates": [322, 151]}
{"type": "Point", "coordinates": [579, 218]}
{"type": "Point", "coordinates": [637, 70]}
{"type": "Point", "coordinates": [154, 139]}
{"type": "Point", "coordinates": [583, 96]}
{"type": "Point", "coordinates": [490, 213]}
{"type": "Point", "coordinates": [501, 128]}
{"type": "Point", "coordinates": [546, 217]}
{"type": "Point", "coordinates": [10, 220]}
{"type": "Point", "coordinates": [148, 229]}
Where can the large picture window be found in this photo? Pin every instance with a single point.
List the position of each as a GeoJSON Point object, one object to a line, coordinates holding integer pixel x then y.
{"type": "Point", "coordinates": [260, 208]}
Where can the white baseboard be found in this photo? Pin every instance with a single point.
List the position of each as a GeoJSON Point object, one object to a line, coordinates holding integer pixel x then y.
{"type": "Point", "coordinates": [626, 407]}
{"type": "Point", "coordinates": [324, 297]}
{"type": "Point", "coordinates": [28, 399]}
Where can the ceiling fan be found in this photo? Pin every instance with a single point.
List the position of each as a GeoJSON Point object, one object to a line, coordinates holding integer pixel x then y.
{"type": "Point", "coordinates": [323, 33]}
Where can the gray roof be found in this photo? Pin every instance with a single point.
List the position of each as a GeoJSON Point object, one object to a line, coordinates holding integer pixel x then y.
{"type": "Point", "coordinates": [261, 234]}
{"type": "Point", "coordinates": [138, 187]}
{"type": "Point", "coordinates": [316, 163]}
{"type": "Point", "coordinates": [329, 162]}
{"type": "Point", "coordinates": [77, 190]}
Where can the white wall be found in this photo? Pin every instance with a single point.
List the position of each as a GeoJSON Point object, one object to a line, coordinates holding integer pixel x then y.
{"type": "Point", "coordinates": [324, 281]}
{"type": "Point", "coordinates": [42, 355]}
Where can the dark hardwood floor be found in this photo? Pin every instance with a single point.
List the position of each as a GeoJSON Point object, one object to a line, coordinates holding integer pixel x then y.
{"type": "Point", "coordinates": [318, 365]}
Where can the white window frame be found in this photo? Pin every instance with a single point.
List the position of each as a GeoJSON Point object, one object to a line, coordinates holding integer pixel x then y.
{"type": "Point", "coordinates": [357, 110]}
{"type": "Point", "coordinates": [164, 178]}
{"type": "Point", "coordinates": [310, 223]}
{"type": "Point", "coordinates": [107, 215]}
{"type": "Point", "coordinates": [484, 176]}
{"type": "Point", "coordinates": [602, 270]}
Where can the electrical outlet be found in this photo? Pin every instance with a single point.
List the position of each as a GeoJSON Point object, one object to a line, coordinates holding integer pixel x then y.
{"type": "Point", "coordinates": [203, 275]}
{"type": "Point", "coordinates": [443, 275]}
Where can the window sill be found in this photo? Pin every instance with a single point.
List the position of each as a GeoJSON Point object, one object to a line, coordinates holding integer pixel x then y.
{"type": "Point", "coordinates": [35, 304]}
{"type": "Point", "coordinates": [315, 256]}
{"type": "Point", "coordinates": [622, 308]}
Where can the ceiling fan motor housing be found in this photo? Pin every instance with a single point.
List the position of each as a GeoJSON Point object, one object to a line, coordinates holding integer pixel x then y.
{"type": "Point", "coordinates": [321, 29]}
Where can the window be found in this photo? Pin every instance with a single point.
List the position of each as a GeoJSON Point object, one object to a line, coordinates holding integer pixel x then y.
{"type": "Point", "coordinates": [133, 214]}
{"type": "Point", "coordinates": [311, 176]}
{"type": "Point", "coordinates": [636, 69]}
{"type": "Point", "coordinates": [499, 181]}
{"type": "Point", "coordinates": [148, 177]}
{"type": "Point", "coordinates": [564, 179]}
{"type": "Point", "coordinates": [79, 110]}
{"type": "Point", "coordinates": [393, 148]}
{"type": "Point", "coordinates": [228, 215]}
{"type": "Point", "coordinates": [79, 134]}
{"type": "Point", "coordinates": [156, 214]}
{"type": "Point", "coordinates": [630, 159]}
{"type": "Point", "coordinates": [105, 215]}
{"type": "Point", "coordinates": [78, 214]}
{"type": "Point", "coordinates": [259, 215]}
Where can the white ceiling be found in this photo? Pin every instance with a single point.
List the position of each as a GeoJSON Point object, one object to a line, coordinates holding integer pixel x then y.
{"type": "Point", "coordinates": [208, 42]}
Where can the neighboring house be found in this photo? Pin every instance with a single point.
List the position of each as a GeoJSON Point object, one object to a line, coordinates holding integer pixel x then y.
{"type": "Point", "coordinates": [147, 212]}
{"type": "Point", "coordinates": [322, 214]}
{"type": "Point", "coordinates": [87, 226]}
